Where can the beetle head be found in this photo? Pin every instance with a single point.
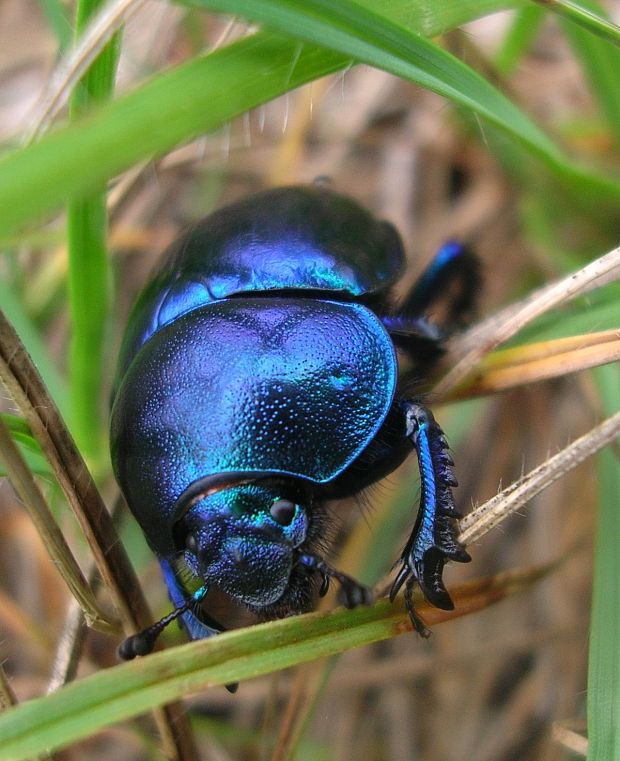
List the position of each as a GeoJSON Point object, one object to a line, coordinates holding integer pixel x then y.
{"type": "Point", "coordinates": [241, 538]}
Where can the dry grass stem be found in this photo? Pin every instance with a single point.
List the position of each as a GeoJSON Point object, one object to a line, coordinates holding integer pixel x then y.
{"type": "Point", "coordinates": [24, 384]}
{"type": "Point", "coordinates": [7, 696]}
{"type": "Point", "coordinates": [571, 740]}
{"type": "Point", "coordinates": [532, 363]}
{"type": "Point", "coordinates": [470, 347]}
{"type": "Point", "coordinates": [51, 536]}
{"type": "Point", "coordinates": [485, 517]}
{"type": "Point", "coordinates": [73, 66]}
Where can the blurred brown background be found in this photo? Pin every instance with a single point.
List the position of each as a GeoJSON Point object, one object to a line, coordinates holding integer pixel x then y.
{"type": "Point", "coordinates": [490, 687]}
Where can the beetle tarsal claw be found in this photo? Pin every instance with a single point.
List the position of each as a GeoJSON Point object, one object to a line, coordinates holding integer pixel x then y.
{"type": "Point", "coordinates": [427, 574]}
{"type": "Point", "coordinates": [351, 593]}
{"type": "Point", "coordinates": [409, 578]}
{"type": "Point", "coordinates": [324, 589]}
{"type": "Point", "coordinates": [416, 620]}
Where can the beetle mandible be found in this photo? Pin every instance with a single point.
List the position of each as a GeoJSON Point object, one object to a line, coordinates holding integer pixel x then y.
{"type": "Point", "coordinates": [258, 378]}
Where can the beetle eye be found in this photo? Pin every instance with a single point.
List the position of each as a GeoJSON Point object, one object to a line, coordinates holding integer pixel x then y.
{"type": "Point", "coordinates": [190, 543]}
{"type": "Point", "coordinates": [283, 512]}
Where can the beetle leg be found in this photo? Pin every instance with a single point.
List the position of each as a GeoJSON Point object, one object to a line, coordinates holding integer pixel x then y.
{"type": "Point", "coordinates": [351, 593]}
{"type": "Point", "coordinates": [194, 625]}
{"type": "Point", "coordinates": [433, 539]}
{"type": "Point", "coordinates": [453, 276]}
{"type": "Point", "coordinates": [416, 336]}
{"type": "Point", "coordinates": [417, 622]}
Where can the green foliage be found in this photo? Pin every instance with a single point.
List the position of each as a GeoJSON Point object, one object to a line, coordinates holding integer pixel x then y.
{"type": "Point", "coordinates": [301, 41]}
{"type": "Point", "coordinates": [604, 661]}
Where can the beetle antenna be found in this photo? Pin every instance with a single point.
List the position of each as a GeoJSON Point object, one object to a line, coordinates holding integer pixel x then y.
{"type": "Point", "coordinates": [143, 642]}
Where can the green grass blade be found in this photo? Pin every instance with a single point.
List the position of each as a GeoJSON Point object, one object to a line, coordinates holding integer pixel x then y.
{"type": "Point", "coordinates": [88, 263]}
{"type": "Point", "coordinates": [581, 14]}
{"type": "Point", "coordinates": [433, 18]}
{"type": "Point", "coordinates": [89, 304]}
{"type": "Point", "coordinates": [604, 658]}
{"type": "Point", "coordinates": [127, 690]}
{"type": "Point", "coordinates": [354, 30]}
{"type": "Point", "coordinates": [32, 340]}
{"type": "Point", "coordinates": [520, 36]}
{"type": "Point", "coordinates": [191, 100]}
{"type": "Point", "coordinates": [601, 64]}
{"type": "Point", "coordinates": [178, 105]}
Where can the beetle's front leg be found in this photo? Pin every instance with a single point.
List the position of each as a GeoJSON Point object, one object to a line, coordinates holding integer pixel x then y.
{"type": "Point", "coordinates": [433, 539]}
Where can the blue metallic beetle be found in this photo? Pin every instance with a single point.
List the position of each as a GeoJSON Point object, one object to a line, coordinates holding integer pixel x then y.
{"type": "Point", "coordinates": [258, 379]}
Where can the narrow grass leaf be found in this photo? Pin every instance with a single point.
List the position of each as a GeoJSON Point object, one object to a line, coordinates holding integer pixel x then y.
{"type": "Point", "coordinates": [517, 41]}
{"type": "Point", "coordinates": [88, 263]}
{"type": "Point", "coordinates": [424, 20]}
{"type": "Point", "coordinates": [604, 654]}
{"type": "Point", "coordinates": [580, 13]}
{"type": "Point", "coordinates": [180, 104]}
{"type": "Point", "coordinates": [600, 61]}
{"type": "Point", "coordinates": [208, 91]}
{"type": "Point", "coordinates": [127, 690]}
{"type": "Point", "coordinates": [352, 29]}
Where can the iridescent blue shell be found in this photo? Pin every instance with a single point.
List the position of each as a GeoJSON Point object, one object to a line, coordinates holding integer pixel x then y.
{"type": "Point", "coordinates": [285, 239]}
{"type": "Point", "coordinates": [250, 351]}
{"type": "Point", "coordinates": [291, 386]}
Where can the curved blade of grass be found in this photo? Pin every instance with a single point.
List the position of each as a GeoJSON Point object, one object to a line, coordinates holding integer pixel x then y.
{"type": "Point", "coordinates": [351, 28]}
{"type": "Point", "coordinates": [175, 106]}
{"type": "Point", "coordinates": [127, 690]}
{"type": "Point", "coordinates": [199, 97]}
{"type": "Point", "coordinates": [601, 64]}
{"type": "Point", "coordinates": [581, 14]}
{"type": "Point", "coordinates": [604, 654]}
{"type": "Point", "coordinates": [427, 21]}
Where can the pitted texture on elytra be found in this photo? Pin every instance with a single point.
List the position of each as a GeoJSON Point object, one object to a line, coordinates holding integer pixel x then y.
{"type": "Point", "coordinates": [299, 238]}
{"type": "Point", "coordinates": [297, 386]}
